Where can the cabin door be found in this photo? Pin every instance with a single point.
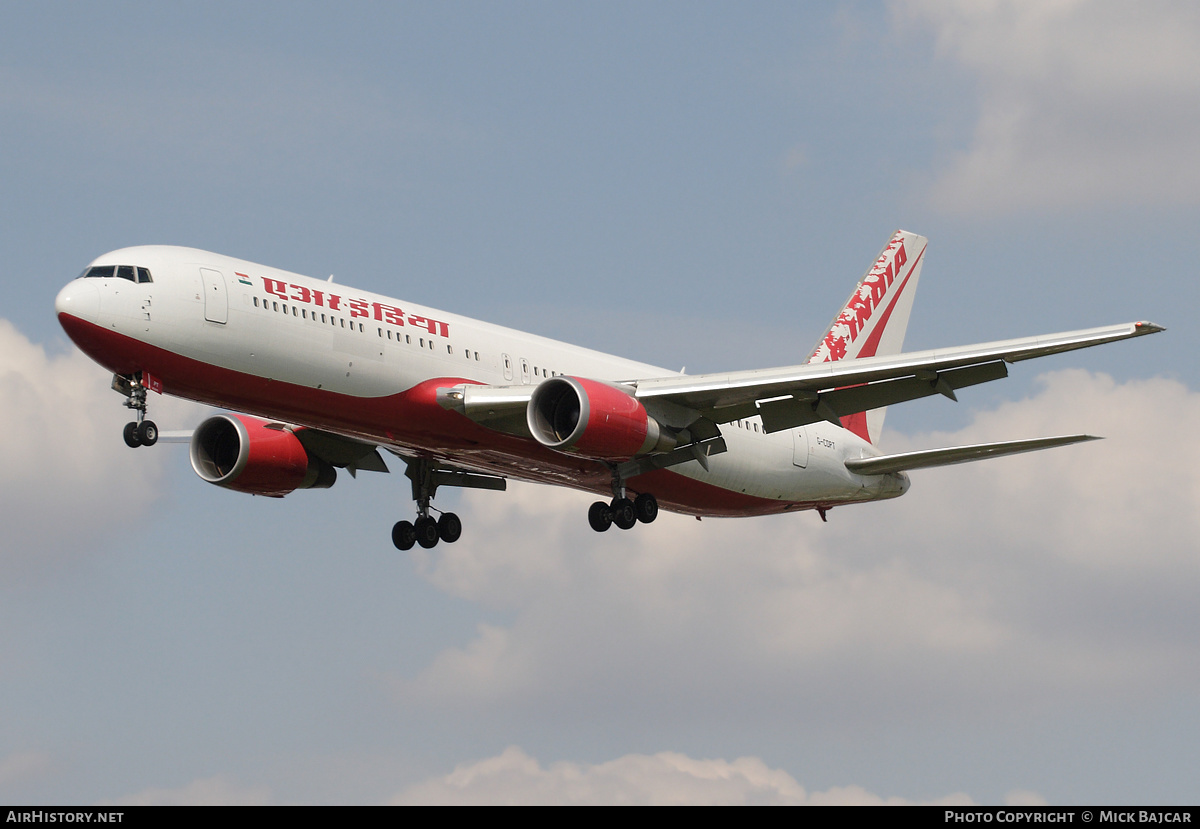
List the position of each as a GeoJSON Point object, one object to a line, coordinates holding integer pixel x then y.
{"type": "Point", "coordinates": [216, 297]}
{"type": "Point", "coordinates": [800, 447]}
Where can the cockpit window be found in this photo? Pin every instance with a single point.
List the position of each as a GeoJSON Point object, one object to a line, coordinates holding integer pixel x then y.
{"type": "Point", "coordinates": [130, 272]}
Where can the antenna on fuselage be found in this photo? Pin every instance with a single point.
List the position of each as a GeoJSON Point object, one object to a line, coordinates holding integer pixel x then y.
{"type": "Point", "coordinates": [330, 279]}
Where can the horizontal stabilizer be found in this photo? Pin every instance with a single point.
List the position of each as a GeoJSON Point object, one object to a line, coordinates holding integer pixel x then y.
{"type": "Point", "coordinates": [956, 454]}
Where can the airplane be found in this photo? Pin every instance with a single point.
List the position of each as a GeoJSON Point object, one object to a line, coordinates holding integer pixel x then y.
{"type": "Point", "coordinates": [318, 376]}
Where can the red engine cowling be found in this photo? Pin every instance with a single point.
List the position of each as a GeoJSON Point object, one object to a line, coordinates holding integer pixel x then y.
{"type": "Point", "coordinates": [240, 452]}
{"type": "Point", "coordinates": [594, 420]}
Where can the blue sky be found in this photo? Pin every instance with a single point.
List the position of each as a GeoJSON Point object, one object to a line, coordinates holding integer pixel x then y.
{"type": "Point", "coordinates": [684, 184]}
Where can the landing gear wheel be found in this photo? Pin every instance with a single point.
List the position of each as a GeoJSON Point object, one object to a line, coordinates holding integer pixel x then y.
{"type": "Point", "coordinates": [623, 514]}
{"type": "Point", "coordinates": [449, 527]}
{"type": "Point", "coordinates": [646, 507]}
{"type": "Point", "coordinates": [147, 433]}
{"type": "Point", "coordinates": [600, 516]}
{"type": "Point", "coordinates": [404, 536]}
{"type": "Point", "coordinates": [427, 532]}
{"type": "Point", "coordinates": [131, 435]}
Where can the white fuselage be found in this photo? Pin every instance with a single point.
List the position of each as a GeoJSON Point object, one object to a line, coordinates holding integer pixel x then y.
{"type": "Point", "coordinates": [318, 354]}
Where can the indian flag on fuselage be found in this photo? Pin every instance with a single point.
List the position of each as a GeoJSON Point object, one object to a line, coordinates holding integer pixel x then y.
{"type": "Point", "coordinates": [874, 318]}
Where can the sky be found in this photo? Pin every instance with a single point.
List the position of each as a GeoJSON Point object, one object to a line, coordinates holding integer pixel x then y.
{"type": "Point", "coordinates": [687, 184]}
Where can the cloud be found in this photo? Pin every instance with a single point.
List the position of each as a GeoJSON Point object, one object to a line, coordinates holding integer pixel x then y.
{"type": "Point", "coordinates": [1081, 102]}
{"type": "Point", "coordinates": [210, 791]}
{"type": "Point", "coordinates": [21, 767]}
{"type": "Point", "coordinates": [666, 778]}
{"type": "Point", "coordinates": [1048, 579]}
{"type": "Point", "coordinates": [67, 474]}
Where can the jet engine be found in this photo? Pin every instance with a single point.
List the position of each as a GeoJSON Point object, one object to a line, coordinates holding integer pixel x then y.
{"type": "Point", "coordinates": [250, 455]}
{"type": "Point", "coordinates": [594, 420]}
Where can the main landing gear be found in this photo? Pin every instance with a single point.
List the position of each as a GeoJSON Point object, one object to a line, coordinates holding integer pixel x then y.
{"type": "Point", "coordinates": [427, 476]}
{"type": "Point", "coordinates": [140, 432]}
{"type": "Point", "coordinates": [622, 511]}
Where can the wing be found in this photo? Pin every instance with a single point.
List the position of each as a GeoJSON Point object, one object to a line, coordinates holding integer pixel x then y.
{"type": "Point", "coordinates": [798, 395]}
{"type": "Point", "coordinates": [794, 396]}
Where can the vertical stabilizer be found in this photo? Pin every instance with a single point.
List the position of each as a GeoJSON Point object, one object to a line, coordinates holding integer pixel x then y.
{"type": "Point", "coordinates": [875, 317]}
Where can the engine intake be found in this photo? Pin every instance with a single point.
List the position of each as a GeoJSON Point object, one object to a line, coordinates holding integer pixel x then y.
{"type": "Point", "coordinates": [594, 420]}
{"type": "Point", "coordinates": [242, 453]}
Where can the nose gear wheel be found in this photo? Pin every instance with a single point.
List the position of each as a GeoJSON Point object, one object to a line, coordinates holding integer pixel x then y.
{"type": "Point", "coordinates": [140, 432]}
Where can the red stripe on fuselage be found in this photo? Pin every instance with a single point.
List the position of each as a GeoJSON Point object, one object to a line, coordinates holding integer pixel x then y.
{"type": "Point", "coordinates": [409, 420]}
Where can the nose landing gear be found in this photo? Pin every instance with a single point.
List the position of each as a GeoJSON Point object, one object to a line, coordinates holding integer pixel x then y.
{"type": "Point", "coordinates": [140, 432]}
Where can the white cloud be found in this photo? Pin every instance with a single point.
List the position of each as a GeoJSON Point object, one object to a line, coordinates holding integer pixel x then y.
{"type": "Point", "coordinates": [1081, 101]}
{"type": "Point", "coordinates": [23, 766]}
{"type": "Point", "coordinates": [1020, 578]}
{"type": "Point", "coordinates": [666, 778]}
{"type": "Point", "coordinates": [211, 791]}
{"type": "Point", "coordinates": [67, 473]}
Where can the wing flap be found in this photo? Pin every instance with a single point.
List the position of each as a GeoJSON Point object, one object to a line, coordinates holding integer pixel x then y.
{"type": "Point", "coordinates": [885, 464]}
{"type": "Point", "coordinates": [809, 407]}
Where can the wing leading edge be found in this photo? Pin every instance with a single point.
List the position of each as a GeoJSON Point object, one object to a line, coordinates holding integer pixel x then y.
{"type": "Point", "coordinates": [794, 396]}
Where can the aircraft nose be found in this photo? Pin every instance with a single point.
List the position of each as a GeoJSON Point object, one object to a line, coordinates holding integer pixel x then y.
{"type": "Point", "coordinates": [80, 299]}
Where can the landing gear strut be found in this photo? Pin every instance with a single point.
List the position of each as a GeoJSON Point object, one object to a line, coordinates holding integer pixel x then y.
{"type": "Point", "coordinates": [426, 530]}
{"type": "Point", "coordinates": [621, 510]}
{"type": "Point", "coordinates": [140, 432]}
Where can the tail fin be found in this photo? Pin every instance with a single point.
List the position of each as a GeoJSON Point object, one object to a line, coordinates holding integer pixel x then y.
{"type": "Point", "coordinates": [875, 317]}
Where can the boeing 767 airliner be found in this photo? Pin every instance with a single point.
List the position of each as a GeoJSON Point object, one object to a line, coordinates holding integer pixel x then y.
{"type": "Point", "coordinates": [322, 376]}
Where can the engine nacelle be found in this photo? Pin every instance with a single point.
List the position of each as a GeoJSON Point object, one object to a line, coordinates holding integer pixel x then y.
{"type": "Point", "coordinates": [240, 452]}
{"type": "Point", "coordinates": [594, 420]}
